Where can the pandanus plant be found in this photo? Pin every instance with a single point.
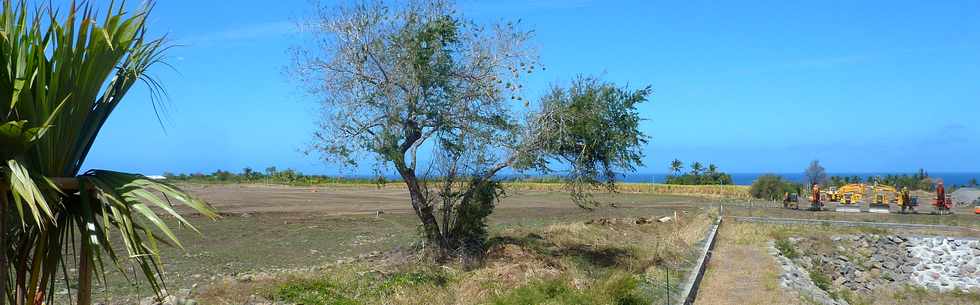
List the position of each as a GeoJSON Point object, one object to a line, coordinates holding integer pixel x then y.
{"type": "Point", "coordinates": [61, 76]}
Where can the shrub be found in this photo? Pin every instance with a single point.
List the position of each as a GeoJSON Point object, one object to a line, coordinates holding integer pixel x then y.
{"type": "Point", "coordinates": [554, 291]}
{"type": "Point", "coordinates": [771, 186]}
{"type": "Point", "coordinates": [821, 280]}
{"type": "Point", "coordinates": [786, 247]}
{"type": "Point", "coordinates": [315, 292]}
{"type": "Point", "coordinates": [618, 289]}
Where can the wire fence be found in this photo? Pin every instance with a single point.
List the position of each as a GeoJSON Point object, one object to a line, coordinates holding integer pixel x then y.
{"type": "Point", "coordinates": [752, 204]}
{"type": "Point", "coordinates": [680, 284]}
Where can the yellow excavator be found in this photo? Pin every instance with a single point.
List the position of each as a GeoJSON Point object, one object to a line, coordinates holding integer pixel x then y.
{"type": "Point", "coordinates": [884, 196]}
{"type": "Point", "coordinates": [831, 194]}
{"type": "Point", "coordinates": [851, 193]}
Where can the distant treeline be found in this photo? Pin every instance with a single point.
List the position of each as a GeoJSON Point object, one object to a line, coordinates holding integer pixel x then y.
{"type": "Point", "coordinates": [271, 175]}
{"type": "Point", "coordinates": [917, 181]}
{"type": "Point", "coordinates": [698, 175]}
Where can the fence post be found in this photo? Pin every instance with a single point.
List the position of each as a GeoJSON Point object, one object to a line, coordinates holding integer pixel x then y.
{"type": "Point", "coordinates": [667, 288]}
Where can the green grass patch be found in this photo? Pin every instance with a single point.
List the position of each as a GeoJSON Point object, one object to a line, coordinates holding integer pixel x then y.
{"type": "Point", "coordinates": [618, 289]}
{"type": "Point", "coordinates": [314, 292]}
{"type": "Point", "coordinates": [821, 280]}
{"type": "Point", "coordinates": [787, 248]}
{"type": "Point", "coordinates": [365, 289]}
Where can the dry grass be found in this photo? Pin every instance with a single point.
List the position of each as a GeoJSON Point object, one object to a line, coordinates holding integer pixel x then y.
{"type": "Point", "coordinates": [741, 271]}
{"type": "Point", "coordinates": [564, 263]}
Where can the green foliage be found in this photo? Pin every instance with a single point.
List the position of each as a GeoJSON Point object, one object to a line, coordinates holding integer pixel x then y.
{"type": "Point", "coordinates": [402, 80]}
{"type": "Point", "coordinates": [821, 280]}
{"type": "Point", "coordinates": [787, 248]}
{"type": "Point", "coordinates": [696, 168]}
{"type": "Point", "coordinates": [319, 292]}
{"type": "Point", "coordinates": [329, 291]}
{"type": "Point", "coordinates": [703, 179]}
{"type": "Point", "coordinates": [771, 186]}
{"type": "Point", "coordinates": [619, 289]}
{"type": "Point", "coordinates": [697, 177]}
{"type": "Point", "coordinates": [676, 166]}
{"type": "Point", "coordinates": [287, 177]}
{"type": "Point", "coordinates": [593, 126]}
{"type": "Point", "coordinates": [63, 73]}
{"type": "Point", "coordinates": [917, 181]}
{"type": "Point", "coordinates": [469, 233]}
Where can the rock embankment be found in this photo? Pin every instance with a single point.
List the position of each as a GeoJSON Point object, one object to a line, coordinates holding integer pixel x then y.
{"type": "Point", "coordinates": [797, 279]}
{"type": "Point", "coordinates": [867, 262]}
{"type": "Point", "coordinates": [945, 263]}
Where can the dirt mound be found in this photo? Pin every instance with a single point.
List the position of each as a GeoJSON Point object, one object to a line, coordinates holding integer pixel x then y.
{"type": "Point", "coordinates": [966, 196]}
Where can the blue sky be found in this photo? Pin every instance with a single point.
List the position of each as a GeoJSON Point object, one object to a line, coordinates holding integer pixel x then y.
{"type": "Point", "coordinates": [863, 86]}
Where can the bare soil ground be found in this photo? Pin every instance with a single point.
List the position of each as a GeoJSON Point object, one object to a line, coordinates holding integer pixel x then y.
{"type": "Point", "coordinates": [368, 199]}
{"type": "Point", "coordinates": [275, 228]}
{"type": "Point", "coordinates": [269, 228]}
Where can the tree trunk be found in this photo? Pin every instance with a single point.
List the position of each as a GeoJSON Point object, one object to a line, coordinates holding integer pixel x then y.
{"type": "Point", "coordinates": [85, 273]}
{"type": "Point", "coordinates": [424, 211]}
{"type": "Point", "coordinates": [4, 260]}
{"type": "Point", "coordinates": [20, 293]}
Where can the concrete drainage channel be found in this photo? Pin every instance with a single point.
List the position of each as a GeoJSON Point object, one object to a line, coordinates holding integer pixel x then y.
{"type": "Point", "coordinates": [690, 291]}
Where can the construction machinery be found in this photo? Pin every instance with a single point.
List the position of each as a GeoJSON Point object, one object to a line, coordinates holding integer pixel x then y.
{"type": "Point", "coordinates": [883, 197]}
{"type": "Point", "coordinates": [906, 202]}
{"type": "Point", "coordinates": [943, 202]}
{"type": "Point", "coordinates": [815, 199]}
{"type": "Point", "coordinates": [791, 200]}
{"type": "Point", "coordinates": [831, 194]}
{"type": "Point", "coordinates": [850, 196]}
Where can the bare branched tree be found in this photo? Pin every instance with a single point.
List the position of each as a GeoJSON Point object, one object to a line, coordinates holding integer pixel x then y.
{"type": "Point", "coordinates": [401, 80]}
{"type": "Point", "coordinates": [815, 173]}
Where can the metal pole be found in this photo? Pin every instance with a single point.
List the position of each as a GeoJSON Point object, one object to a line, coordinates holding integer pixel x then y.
{"type": "Point", "coordinates": [667, 288]}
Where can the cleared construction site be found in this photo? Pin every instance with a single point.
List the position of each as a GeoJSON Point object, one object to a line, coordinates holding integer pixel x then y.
{"type": "Point", "coordinates": [854, 244]}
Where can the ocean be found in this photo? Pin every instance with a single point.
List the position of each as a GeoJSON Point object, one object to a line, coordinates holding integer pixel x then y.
{"type": "Point", "coordinates": [747, 178]}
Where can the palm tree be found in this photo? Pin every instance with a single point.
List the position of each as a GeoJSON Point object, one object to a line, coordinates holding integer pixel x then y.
{"type": "Point", "coordinates": [696, 168]}
{"type": "Point", "coordinates": [62, 75]}
{"type": "Point", "coordinates": [712, 169]}
{"type": "Point", "coordinates": [676, 166]}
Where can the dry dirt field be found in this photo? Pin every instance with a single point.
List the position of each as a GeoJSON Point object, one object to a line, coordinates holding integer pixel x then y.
{"type": "Point", "coordinates": [367, 199]}
{"type": "Point", "coordinates": [268, 228]}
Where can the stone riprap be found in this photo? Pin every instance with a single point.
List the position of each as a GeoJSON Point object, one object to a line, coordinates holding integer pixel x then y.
{"type": "Point", "coordinates": [867, 262]}
{"type": "Point", "coordinates": [797, 280]}
{"type": "Point", "coordinates": [945, 263]}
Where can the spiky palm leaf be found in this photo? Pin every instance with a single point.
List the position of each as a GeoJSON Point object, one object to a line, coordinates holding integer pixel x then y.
{"type": "Point", "coordinates": [60, 81]}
